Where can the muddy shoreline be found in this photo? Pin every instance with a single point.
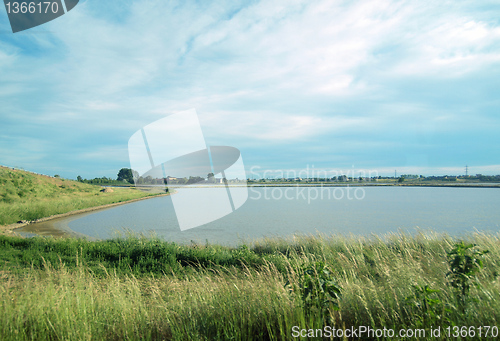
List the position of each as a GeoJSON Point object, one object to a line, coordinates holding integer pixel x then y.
{"type": "Point", "coordinates": [57, 225]}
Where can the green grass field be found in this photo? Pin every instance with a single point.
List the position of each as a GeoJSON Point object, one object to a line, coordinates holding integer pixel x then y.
{"type": "Point", "coordinates": [27, 196]}
{"type": "Point", "coordinates": [138, 288]}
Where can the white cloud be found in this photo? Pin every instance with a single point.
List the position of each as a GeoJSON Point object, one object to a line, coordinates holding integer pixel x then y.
{"type": "Point", "coordinates": [99, 105]}
{"type": "Point", "coordinates": [452, 46]}
{"type": "Point", "coordinates": [265, 127]}
{"type": "Point", "coordinates": [263, 73]}
{"type": "Point", "coordinates": [263, 51]}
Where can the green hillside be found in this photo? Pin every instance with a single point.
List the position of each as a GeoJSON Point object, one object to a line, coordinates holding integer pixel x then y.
{"type": "Point", "coordinates": [29, 196]}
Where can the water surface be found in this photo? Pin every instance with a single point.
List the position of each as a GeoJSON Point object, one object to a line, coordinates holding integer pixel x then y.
{"type": "Point", "coordinates": [272, 212]}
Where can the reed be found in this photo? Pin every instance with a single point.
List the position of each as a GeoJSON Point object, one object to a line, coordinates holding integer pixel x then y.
{"type": "Point", "coordinates": [144, 288]}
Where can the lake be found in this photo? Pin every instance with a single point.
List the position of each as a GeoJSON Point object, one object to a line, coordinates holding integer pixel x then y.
{"type": "Point", "coordinates": [282, 211]}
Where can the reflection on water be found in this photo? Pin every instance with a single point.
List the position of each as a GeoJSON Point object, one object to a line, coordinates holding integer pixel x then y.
{"type": "Point", "coordinates": [269, 212]}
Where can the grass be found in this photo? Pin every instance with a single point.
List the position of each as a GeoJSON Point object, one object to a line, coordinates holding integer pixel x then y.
{"type": "Point", "coordinates": [28, 196]}
{"type": "Point", "coordinates": [138, 288]}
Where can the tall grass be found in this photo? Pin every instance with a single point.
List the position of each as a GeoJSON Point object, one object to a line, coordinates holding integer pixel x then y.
{"type": "Point", "coordinates": [67, 305]}
{"type": "Point", "coordinates": [144, 288]}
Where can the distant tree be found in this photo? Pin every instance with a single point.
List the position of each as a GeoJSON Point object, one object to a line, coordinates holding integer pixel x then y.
{"type": "Point", "coordinates": [211, 178]}
{"type": "Point", "coordinates": [79, 178]}
{"type": "Point", "coordinates": [194, 180]}
{"type": "Point", "coordinates": [401, 179]}
{"type": "Point", "coordinates": [127, 174]}
{"type": "Point", "coordinates": [57, 176]}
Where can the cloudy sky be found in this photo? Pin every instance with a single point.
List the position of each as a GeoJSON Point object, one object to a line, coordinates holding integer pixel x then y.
{"type": "Point", "coordinates": [336, 85]}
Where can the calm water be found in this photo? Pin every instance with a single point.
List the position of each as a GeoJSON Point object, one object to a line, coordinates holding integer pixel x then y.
{"type": "Point", "coordinates": [268, 213]}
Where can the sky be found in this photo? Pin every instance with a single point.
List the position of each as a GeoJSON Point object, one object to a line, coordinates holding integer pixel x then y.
{"type": "Point", "coordinates": [384, 85]}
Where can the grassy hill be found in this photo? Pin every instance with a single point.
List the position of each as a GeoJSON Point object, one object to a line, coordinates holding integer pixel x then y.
{"type": "Point", "coordinates": [29, 196]}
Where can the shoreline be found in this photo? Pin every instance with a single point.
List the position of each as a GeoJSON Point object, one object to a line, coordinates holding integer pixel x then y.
{"type": "Point", "coordinates": [10, 229]}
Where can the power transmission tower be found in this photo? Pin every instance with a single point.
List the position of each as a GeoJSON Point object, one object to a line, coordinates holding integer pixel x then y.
{"type": "Point", "coordinates": [466, 171]}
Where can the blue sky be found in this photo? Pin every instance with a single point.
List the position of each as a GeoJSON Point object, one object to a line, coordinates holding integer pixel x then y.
{"type": "Point", "coordinates": [334, 85]}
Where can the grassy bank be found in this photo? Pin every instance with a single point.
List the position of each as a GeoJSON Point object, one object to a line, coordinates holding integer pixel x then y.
{"type": "Point", "coordinates": [145, 288]}
{"type": "Point", "coordinates": [28, 196]}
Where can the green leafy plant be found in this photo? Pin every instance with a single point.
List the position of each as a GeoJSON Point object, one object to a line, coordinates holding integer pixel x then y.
{"type": "Point", "coordinates": [465, 261]}
{"type": "Point", "coordinates": [317, 289]}
{"type": "Point", "coordinates": [430, 309]}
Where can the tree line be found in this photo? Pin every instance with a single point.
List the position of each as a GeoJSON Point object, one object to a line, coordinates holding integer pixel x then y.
{"type": "Point", "coordinates": [126, 176]}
